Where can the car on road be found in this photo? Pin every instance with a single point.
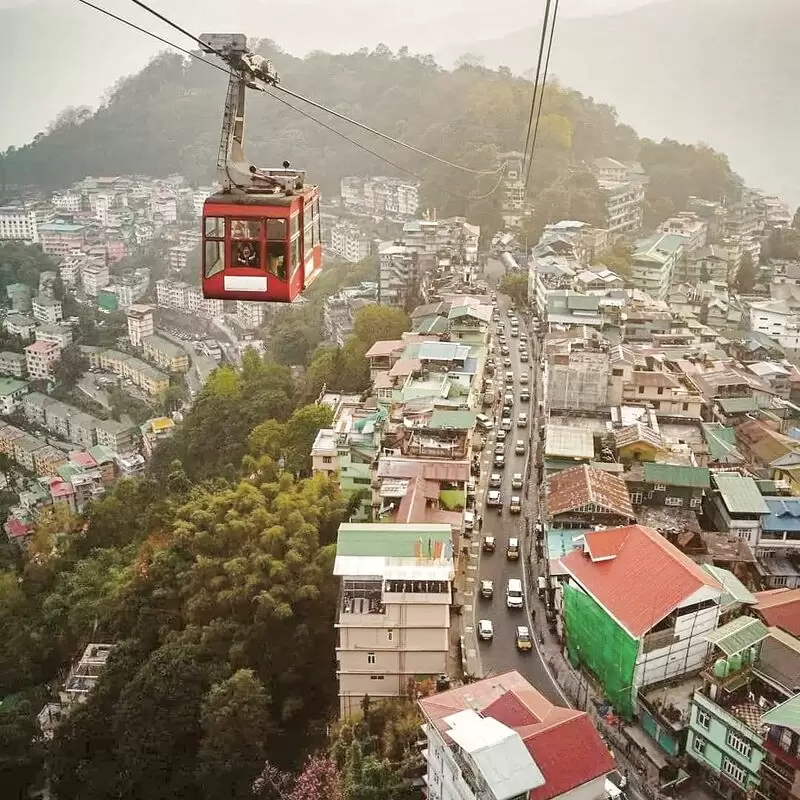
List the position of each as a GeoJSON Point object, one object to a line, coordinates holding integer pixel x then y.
{"type": "Point", "coordinates": [483, 422]}
{"type": "Point", "coordinates": [499, 462]}
{"type": "Point", "coordinates": [523, 357]}
{"type": "Point", "coordinates": [506, 361]}
{"type": "Point", "coordinates": [516, 480]}
{"type": "Point", "coordinates": [508, 398]}
{"type": "Point", "coordinates": [485, 630]}
{"type": "Point", "coordinates": [469, 521]}
{"type": "Point", "coordinates": [506, 424]}
{"type": "Point", "coordinates": [501, 435]}
{"type": "Point", "coordinates": [524, 396]}
{"type": "Point", "coordinates": [509, 377]}
{"type": "Point", "coordinates": [495, 480]}
{"type": "Point", "coordinates": [514, 598]}
{"type": "Point", "coordinates": [524, 641]}
{"type": "Point", "coordinates": [519, 447]}
{"type": "Point", "coordinates": [500, 449]}
{"type": "Point", "coordinates": [487, 589]}
{"type": "Point", "coordinates": [489, 544]}
{"type": "Point", "coordinates": [512, 551]}
{"type": "Point", "coordinates": [494, 498]}
{"type": "Point", "coordinates": [514, 333]}
{"type": "Point", "coordinates": [515, 506]}
{"type": "Point", "coordinates": [522, 420]}
{"type": "Point", "coordinates": [523, 378]}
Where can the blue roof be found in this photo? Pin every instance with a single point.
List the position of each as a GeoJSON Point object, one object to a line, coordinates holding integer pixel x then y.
{"type": "Point", "coordinates": [559, 540]}
{"type": "Point", "coordinates": [61, 227]}
{"type": "Point", "coordinates": [784, 514]}
{"type": "Point", "coordinates": [442, 351]}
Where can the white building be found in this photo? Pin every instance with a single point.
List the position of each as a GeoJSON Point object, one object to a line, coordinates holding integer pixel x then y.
{"type": "Point", "coordinates": [513, 188]}
{"type": "Point", "coordinates": [172, 294]}
{"type": "Point", "coordinates": [500, 739]}
{"type": "Point", "coordinates": [380, 196]}
{"type": "Point", "coordinates": [11, 393]}
{"type": "Point", "coordinates": [164, 205]}
{"type": "Point", "coordinates": [654, 261]}
{"type": "Point", "coordinates": [203, 307]}
{"type": "Point", "coordinates": [94, 277]}
{"type": "Point", "coordinates": [393, 620]}
{"type": "Point", "coordinates": [691, 227]}
{"type": "Point", "coordinates": [40, 358]}
{"type": "Point", "coordinates": [69, 270]}
{"type": "Point", "coordinates": [773, 318]}
{"type": "Point", "coordinates": [624, 206]}
{"type": "Point", "coordinates": [199, 197]}
{"type": "Point", "coordinates": [610, 170]}
{"type": "Point", "coordinates": [140, 324]}
{"type": "Point", "coordinates": [67, 201]}
{"type": "Point", "coordinates": [47, 310]}
{"type": "Point", "coordinates": [250, 315]}
{"type": "Point", "coordinates": [398, 273]}
{"type": "Point", "coordinates": [179, 256]}
{"type": "Point", "coordinates": [58, 334]}
{"type": "Point", "coordinates": [350, 242]}
{"type": "Point", "coordinates": [18, 224]}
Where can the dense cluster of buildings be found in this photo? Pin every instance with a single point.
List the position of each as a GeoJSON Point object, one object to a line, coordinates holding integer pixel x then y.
{"type": "Point", "coordinates": [380, 197]}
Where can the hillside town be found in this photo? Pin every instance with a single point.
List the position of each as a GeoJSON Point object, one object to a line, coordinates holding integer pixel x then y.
{"type": "Point", "coordinates": [576, 484]}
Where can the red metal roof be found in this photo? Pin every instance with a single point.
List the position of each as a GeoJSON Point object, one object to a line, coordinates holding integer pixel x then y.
{"type": "Point", "coordinates": [576, 487]}
{"type": "Point", "coordinates": [640, 577]}
{"type": "Point", "coordinates": [781, 608]}
{"type": "Point", "coordinates": [562, 741]}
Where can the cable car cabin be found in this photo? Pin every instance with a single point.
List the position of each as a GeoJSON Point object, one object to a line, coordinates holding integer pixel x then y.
{"type": "Point", "coordinates": [261, 247]}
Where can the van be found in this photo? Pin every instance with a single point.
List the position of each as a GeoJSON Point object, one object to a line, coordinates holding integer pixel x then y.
{"type": "Point", "coordinates": [483, 422]}
{"type": "Point", "coordinates": [469, 521]}
{"type": "Point", "coordinates": [512, 551]}
{"type": "Point", "coordinates": [514, 597]}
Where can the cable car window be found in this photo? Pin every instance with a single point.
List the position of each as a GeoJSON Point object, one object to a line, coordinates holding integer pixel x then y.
{"type": "Point", "coordinates": [276, 258]}
{"type": "Point", "coordinates": [212, 258]}
{"type": "Point", "coordinates": [294, 225]}
{"type": "Point", "coordinates": [246, 229]}
{"type": "Point", "coordinates": [215, 227]}
{"type": "Point", "coordinates": [318, 230]}
{"type": "Point", "coordinates": [307, 238]}
{"type": "Point", "coordinates": [296, 255]}
{"type": "Point", "coordinates": [276, 229]}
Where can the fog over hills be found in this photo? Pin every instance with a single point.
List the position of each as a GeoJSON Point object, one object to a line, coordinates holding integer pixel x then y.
{"type": "Point", "coordinates": [63, 53]}
{"type": "Point", "coordinates": [721, 71]}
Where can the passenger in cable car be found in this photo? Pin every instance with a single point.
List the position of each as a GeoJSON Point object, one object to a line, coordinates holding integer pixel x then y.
{"type": "Point", "coordinates": [246, 255]}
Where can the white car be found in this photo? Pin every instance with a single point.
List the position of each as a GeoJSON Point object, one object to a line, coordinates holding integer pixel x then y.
{"type": "Point", "coordinates": [494, 498]}
{"type": "Point", "coordinates": [496, 480]}
{"type": "Point", "coordinates": [516, 480]}
{"type": "Point", "coordinates": [501, 435]}
{"type": "Point", "coordinates": [485, 630]}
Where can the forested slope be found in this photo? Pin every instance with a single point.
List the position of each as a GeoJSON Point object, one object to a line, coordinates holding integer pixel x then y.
{"type": "Point", "coordinates": [166, 119]}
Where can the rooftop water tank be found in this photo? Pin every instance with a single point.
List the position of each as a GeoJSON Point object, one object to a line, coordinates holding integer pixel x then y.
{"type": "Point", "coordinates": [721, 668]}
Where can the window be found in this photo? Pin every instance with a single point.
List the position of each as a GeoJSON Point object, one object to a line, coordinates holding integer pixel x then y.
{"type": "Point", "coordinates": [695, 502]}
{"type": "Point", "coordinates": [641, 390]}
{"type": "Point", "coordinates": [295, 254]}
{"type": "Point", "coordinates": [246, 235]}
{"type": "Point", "coordinates": [327, 459]}
{"type": "Point", "coordinates": [685, 406]}
{"type": "Point", "coordinates": [636, 498]}
{"type": "Point", "coordinates": [214, 227]}
{"type": "Point", "coordinates": [660, 390]}
{"type": "Point", "coordinates": [390, 634]}
{"type": "Point", "coordinates": [317, 223]}
{"type": "Point", "coordinates": [212, 260]}
{"type": "Point", "coordinates": [370, 658]}
{"type": "Point", "coordinates": [734, 771]}
{"type": "Point", "coordinates": [276, 248]}
{"type": "Point", "coordinates": [673, 501]}
{"type": "Point", "coordinates": [699, 745]}
{"type": "Point", "coordinates": [376, 677]}
{"type": "Point", "coordinates": [703, 719]}
{"type": "Point", "coordinates": [660, 487]}
{"type": "Point", "coordinates": [617, 373]}
{"type": "Point", "coordinates": [739, 744]}
{"type": "Point", "coordinates": [307, 237]}
{"type": "Point", "coordinates": [294, 225]}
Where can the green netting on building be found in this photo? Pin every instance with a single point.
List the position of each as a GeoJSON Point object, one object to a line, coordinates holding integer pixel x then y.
{"type": "Point", "coordinates": [596, 642]}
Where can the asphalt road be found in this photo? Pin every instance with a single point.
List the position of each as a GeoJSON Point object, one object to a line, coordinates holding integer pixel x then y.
{"type": "Point", "coordinates": [501, 654]}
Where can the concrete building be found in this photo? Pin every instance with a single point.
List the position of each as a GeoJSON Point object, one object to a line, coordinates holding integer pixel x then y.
{"type": "Point", "coordinates": [140, 324]}
{"type": "Point", "coordinates": [636, 611]}
{"type": "Point", "coordinates": [67, 201]}
{"type": "Point", "coordinates": [624, 206]}
{"type": "Point", "coordinates": [513, 209]}
{"type": "Point", "coordinates": [179, 256]}
{"type": "Point", "coordinates": [500, 739]}
{"type": "Point", "coordinates": [11, 393]}
{"type": "Point", "coordinates": [19, 296]}
{"type": "Point", "coordinates": [166, 354]}
{"type": "Point", "coordinates": [654, 262]}
{"type": "Point", "coordinates": [60, 334]}
{"type": "Point", "coordinates": [339, 310]}
{"type": "Point", "coordinates": [393, 620]}
{"type": "Point", "coordinates": [94, 277]}
{"type": "Point", "coordinates": [398, 276]}
{"type": "Point", "coordinates": [40, 358]}
{"type": "Point", "coordinates": [773, 318]}
{"type": "Point", "coordinates": [13, 364]}
{"type": "Point", "coordinates": [143, 375]}
{"type": "Point", "coordinates": [250, 315]}
{"type": "Point", "coordinates": [380, 196]}
{"type": "Point", "coordinates": [59, 239]}
{"type": "Point", "coordinates": [47, 310]}
{"type": "Point", "coordinates": [349, 242]}
{"type": "Point", "coordinates": [201, 306]}
{"type": "Point", "coordinates": [116, 436]}
{"type": "Point", "coordinates": [155, 431]}
{"type": "Point", "coordinates": [691, 227]}
{"type": "Point", "coordinates": [18, 224]}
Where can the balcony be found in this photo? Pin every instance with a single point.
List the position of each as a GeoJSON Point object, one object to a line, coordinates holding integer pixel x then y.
{"type": "Point", "coordinates": [362, 598]}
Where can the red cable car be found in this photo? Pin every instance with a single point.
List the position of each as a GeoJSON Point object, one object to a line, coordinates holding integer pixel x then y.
{"type": "Point", "coordinates": [262, 235]}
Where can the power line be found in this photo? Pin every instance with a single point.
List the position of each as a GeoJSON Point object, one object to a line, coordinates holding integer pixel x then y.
{"type": "Point", "coordinates": [541, 94]}
{"type": "Point", "coordinates": [300, 111]}
{"type": "Point", "coordinates": [536, 83]}
{"type": "Point", "coordinates": [324, 108]}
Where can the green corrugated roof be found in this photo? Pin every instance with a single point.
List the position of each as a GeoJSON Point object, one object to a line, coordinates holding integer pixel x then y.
{"type": "Point", "coordinates": [68, 471]}
{"type": "Point", "coordinates": [740, 494]}
{"type": "Point", "coordinates": [675, 475]}
{"type": "Point", "coordinates": [738, 635]}
{"type": "Point", "coordinates": [432, 324]}
{"type": "Point", "coordinates": [733, 590]}
{"type": "Point", "coordinates": [786, 715]}
{"type": "Point", "coordinates": [721, 441]}
{"type": "Point", "coordinates": [390, 541]}
{"type": "Point", "coordinates": [459, 420]}
{"type": "Point", "coordinates": [738, 405]}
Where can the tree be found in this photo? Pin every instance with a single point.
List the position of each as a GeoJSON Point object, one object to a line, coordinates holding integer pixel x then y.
{"type": "Point", "coordinates": [21, 747]}
{"type": "Point", "coordinates": [618, 258]}
{"type": "Point", "coordinates": [796, 219]}
{"type": "Point", "coordinates": [70, 367]}
{"type": "Point", "coordinates": [516, 287]}
{"type": "Point", "coordinates": [746, 275]}
{"type": "Point", "coordinates": [300, 432]}
{"type": "Point", "coordinates": [378, 323]}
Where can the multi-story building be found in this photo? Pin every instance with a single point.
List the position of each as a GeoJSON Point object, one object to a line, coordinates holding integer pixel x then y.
{"type": "Point", "coordinates": [350, 242]}
{"type": "Point", "coordinates": [47, 283]}
{"type": "Point", "coordinates": [117, 436]}
{"type": "Point", "coordinates": [19, 296]}
{"type": "Point", "coordinates": [513, 209]}
{"type": "Point", "coordinates": [200, 306]}
{"type": "Point", "coordinates": [199, 198]}
{"type": "Point", "coordinates": [155, 431]}
{"type": "Point", "coordinates": [20, 325]}
{"type": "Point", "coordinates": [132, 287]}
{"type": "Point", "coordinates": [166, 354]}
{"type": "Point", "coordinates": [500, 739]}
{"type": "Point", "coordinates": [164, 207]}
{"type": "Point", "coordinates": [140, 324]}
{"type": "Point", "coordinates": [69, 270]}
{"type": "Point", "coordinates": [11, 393]}
{"type": "Point", "coordinates": [624, 206]}
{"type": "Point", "coordinates": [339, 310]}
{"type": "Point", "coordinates": [250, 315]}
{"type": "Point", "coordinates": [610, 170]}
{"type": "Point", "coordinates": [59, 239]}
{"type": "Point", "coordinates": [143, 375]}
{"type": "Point", "coordinates": [18, 224]}
{"type": "Point", "coordinates": [692, 227]}
{"type": "Point", "coordinates": [179, 256]}
{"type": "Point", "coordinates": [67, 201]}
{"type": "Point", "coordinates": [13, 364]}
{"type": "Point", "coordinates": [380, 196]}
{"type": "Point", "coordinates": [94, 277]}
{"type": "Point", "coordinates": [40, 358]}
{"type": "Point", "coordinates": [60, 334]}
{"type": "Point", "coordinates": [399, 274]}
{"type": "Point", "coordinates": [654, 262]}
{"type": "Point", "coordinates": [655, 630]}
{"type": "Point", "coordinates": [47, 310]}
{"type": "Point", "coordinates": [773, 317]}
{"type": "Point", "coordinates": [393, 619]}
{"type": "Point", "coordinates": [171, 294]}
